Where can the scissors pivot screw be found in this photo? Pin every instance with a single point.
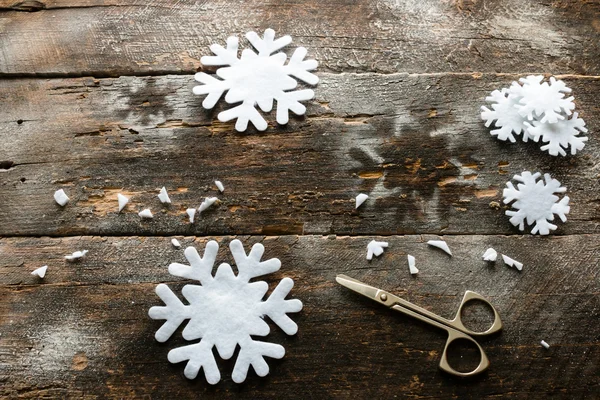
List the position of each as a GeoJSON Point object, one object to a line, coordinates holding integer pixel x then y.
{"type": "Point", "coordinates": [383, 297]}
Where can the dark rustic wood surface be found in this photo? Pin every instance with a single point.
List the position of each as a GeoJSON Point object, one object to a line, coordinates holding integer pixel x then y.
{"type": "Point", "coordinates": [95, 98]}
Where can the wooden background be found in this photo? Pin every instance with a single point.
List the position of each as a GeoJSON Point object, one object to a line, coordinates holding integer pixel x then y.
{"type": "Point", "coordinates": [95, 98]}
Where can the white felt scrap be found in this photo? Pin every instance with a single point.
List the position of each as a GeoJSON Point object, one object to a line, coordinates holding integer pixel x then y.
{"type": "Point", "coordinates": [512, 263]}
{"type": "Point", "coordinates": [490, 255]}
{"type": "Point", "coordinates": [220, 186]}
{"type": "Point", "coordinates": [360, 199]}
{"type": "Point", "coordinates": [146, 213]}
{"type": "Point", "coordinates": [257, 78]}
{"type": "Point", "coordinates": [411, 265]}
{"type": "Point", "coordinates": [41, 271]}
{"type": "Point", "coordinates": [225, 312]}
{"type": "Point", "coordinates": [122, 201]}
{"type": "Point", "coordinates": [536, 202]}
{"type": "Point", "coordinates": [61, 197]}
{"type": "Point", "coordinates": [175, 243]}
{"type": "Point", "coordinates": [440, 244]}
{"type": "Point", "coordinates": [544, 344]}
{"type": "Point", "coordinates": [375, 248]}
{"type": "Point", "coordinates": [76, 255]}
{"type": "Point", "coordinates": [209, 201]}
{"type": "Point", "coordinates": [163, 196]}
{"type": "Point", "coordinates": [191, 212]}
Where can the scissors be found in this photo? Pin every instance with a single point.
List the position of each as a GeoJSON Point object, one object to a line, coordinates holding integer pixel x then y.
{"type": "Point", "coordinates": [455, 328]}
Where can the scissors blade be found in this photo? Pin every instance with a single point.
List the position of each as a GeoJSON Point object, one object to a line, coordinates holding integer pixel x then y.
{"type": "Point", "coordinates": [361, 288]}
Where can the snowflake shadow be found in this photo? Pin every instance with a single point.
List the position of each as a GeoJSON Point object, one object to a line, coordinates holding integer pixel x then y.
{"type": "Point", "coordinates": [413, 165]}
{"type": "Point", "coordinates": [146, 103]}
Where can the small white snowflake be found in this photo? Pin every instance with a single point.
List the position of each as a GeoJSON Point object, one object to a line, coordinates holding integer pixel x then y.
{"type": "Point", "coordinates": [504, 115]}
{"type": "Point", "coordinates": [536, 202]}
{"type": "Point", "coordinates": [257, 79]}
{"type": "Point", "coordinates": [226, 311]}
{"type": "Point", "coordinates": [560, 135]}
{"type": "Point", "coordinates": [543, 100]}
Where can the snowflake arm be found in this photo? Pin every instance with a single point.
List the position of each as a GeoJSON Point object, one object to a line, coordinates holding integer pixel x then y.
{"type": "Point", "coordinates": [250, 266]}
{"type": "Point", "coordinates": [290, 101]}
{"type": "Point", "coordinates": [562, 208]}
{"type": "Point", "coordinates": [299, 67]}
{"type": "Point", "coordinates": [267, 45]}
{"type": "Point", "coordinates": [174, 312]}
{"type": "Point", "coordinates": [200, 268]}
{"type": "Point", "coordinates": [243, 114]}
{"type": "Point", "coordinates": [253, 352]}
{"type": "Point", "coordinates": [213, 87]}
{"type": "Point", "coordinates": [223, 56]}
{"type": "Point", "coordinates": [198, 356]}
{"type": "Point", "coordinates": [276, 307]}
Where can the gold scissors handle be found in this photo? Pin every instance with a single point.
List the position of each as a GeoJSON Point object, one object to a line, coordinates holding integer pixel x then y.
{"type": "Point", "coordinates": [455, 327]}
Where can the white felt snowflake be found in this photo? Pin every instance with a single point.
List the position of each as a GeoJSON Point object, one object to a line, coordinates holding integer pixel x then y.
{"type": "Point", "coordinates": [504, 115]}
{"type": "Point", "coordinates": [543, 100]}
{"type": "Point", "coordinates": [536, 202]}
{"type": "Point", "coordinates": [225, 311]}
{"type": "Point", "coordinates": [257, 79]}
{"type": "Point", "coordinates": [559, 135]}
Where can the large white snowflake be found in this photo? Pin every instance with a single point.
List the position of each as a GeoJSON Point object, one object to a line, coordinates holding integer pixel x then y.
{"type": "Point", "coordinates": [559, 135]}
{"type": "Point", "coordinates": [535, 202]}
{"type": "Point", "coordinates": [257, 79]}
{"type": "Point", "coordinates": [225, 311]}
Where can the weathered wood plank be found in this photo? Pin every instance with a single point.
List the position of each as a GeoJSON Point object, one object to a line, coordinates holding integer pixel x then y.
{"type": "Point", "coordinates": [414, 142]}
{"type": "Point", "coordinates": [130, 37]}
{"type": "Point", "coordinates": [86, 326]}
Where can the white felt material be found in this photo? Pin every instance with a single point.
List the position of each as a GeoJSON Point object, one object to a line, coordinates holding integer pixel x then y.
{"type": "Point", "coordinates": [257, 78]}
{"type": "Point", "coordinates": [560, 135]}
{"type": "Point", "coordinates": [544, 344]}
{"type": "Point", "coordinates": [175, 243]}
{"type": "Point", "coordinates": [77, 255]}
{"type": "Point", "coordinates": [220, 186]}
{"type": "Point", "coordinates": [536, 202]}
{"type": "Point", "coordinates": [512, 263]}
{"type": "Point", "coordinates": [360, 199]}
{"type": "Point", "coordinates": [146, 213]}
{"type": "Point", "coordinates": [490, 255]}
{"type": "Point", "coordinates": [375, 248]}
{"type": "Point", "coordinates": [209, 201]}
{"type": "Point", "coordinates": [41, 271]}
{"type": "Point", "coordinates": [122, 201]}
{"type": "Point", "coordinates": [225, 311]}
{"type": "Point", "coordinates": [411, 265]}
{"type": "Point", "coordinates": [61, 197]}
{"type": "Point", "coordinates": [440, 244]}
{"type": "Point", "coordinates": [543, 100]}
{"type": "Point", "coordinates": [163, 196]}
{"type": "Point", "coordinates": [191, 212]}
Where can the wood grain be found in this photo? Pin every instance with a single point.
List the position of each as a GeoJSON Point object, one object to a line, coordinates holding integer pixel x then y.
{"type": "Point", "coordinates": [415, 143]}
{"type": "Point", "coordinates": [131, 37]}
{"type": "Point", "coordinates": [84, 330]}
